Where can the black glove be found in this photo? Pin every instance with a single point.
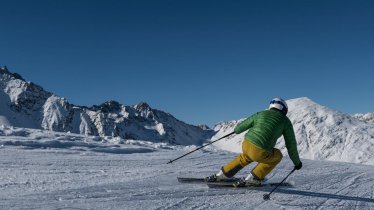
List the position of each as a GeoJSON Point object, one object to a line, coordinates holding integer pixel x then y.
{"type": "Point", "coordinates": [299, 166]}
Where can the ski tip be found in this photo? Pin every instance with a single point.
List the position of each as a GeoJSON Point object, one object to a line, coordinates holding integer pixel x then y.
{"type": "Point", "coordinates": [266, 197]}
{"type": "Point", "coordinates": [169, 162]}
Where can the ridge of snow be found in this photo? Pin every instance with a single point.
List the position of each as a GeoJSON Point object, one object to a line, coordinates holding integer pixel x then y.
{"type": "Point", "coordinates": [368, 117]}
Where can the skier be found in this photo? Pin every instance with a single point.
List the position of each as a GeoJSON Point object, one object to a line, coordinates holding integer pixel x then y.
{"type": "Point", "coordinates": [258, 146]}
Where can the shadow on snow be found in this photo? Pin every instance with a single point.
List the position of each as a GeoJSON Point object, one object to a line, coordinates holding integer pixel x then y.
{"type": "Point", "coordinates": [90, 147]}
{"type": "Point", "coordinates": [324, 195]}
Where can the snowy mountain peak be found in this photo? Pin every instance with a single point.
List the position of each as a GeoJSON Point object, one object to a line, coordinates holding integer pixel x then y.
{"type": "Point", "coordinates": [4, 70]}
{"type": "Point", "coordinates": [108, 106]}
{"type": "Point", "coordinates": [204, 127]}
{"type": "Point", "coordinates": [142, 106]}
{"type": "Point", "coordinates": [303, 103]}
{"type": "Point", "coordinates": [24, 104]}
{"type": "Point", "coordinates": [322, 133]}
{"type": "Point", "coordinates": [144, 110]}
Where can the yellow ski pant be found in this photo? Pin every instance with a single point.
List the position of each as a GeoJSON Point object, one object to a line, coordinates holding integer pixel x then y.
{"type": "Point", "coordinates": [251, 153]}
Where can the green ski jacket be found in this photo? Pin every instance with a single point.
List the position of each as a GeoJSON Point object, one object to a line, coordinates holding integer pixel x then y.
{"type": "Point", "coordinates": [265, 129]}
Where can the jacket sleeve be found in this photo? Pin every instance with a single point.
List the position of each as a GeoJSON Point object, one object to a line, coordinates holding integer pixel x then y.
{"type": "Point", "coordinates": [245, 125]}
{"type": "Point", "coordinates": [290, 140]}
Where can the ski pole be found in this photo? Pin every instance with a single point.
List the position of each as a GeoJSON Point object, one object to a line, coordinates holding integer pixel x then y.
{"type": "Point", "coordinates": [201, 147]}
{"type": "Point", "coordinates": [267, 196]}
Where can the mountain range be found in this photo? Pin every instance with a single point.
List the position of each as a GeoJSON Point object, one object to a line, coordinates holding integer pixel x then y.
{"type": "Point", "coordinates": [25, 104]}
{"type": "Point", "coordinates": [322, 133]}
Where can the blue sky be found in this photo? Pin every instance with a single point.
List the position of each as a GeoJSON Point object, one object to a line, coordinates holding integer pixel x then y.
{"type": "Point", "coordinates": [202, 61]}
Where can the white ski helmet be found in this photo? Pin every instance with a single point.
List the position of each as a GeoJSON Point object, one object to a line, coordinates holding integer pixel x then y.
{"type": "Point", "coordinates": [279, 104]}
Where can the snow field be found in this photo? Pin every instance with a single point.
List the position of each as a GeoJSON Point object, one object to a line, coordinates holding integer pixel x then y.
{"type": "Point", "coordinates": [80, 177]}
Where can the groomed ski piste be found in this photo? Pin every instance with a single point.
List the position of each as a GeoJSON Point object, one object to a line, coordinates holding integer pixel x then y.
{"type": "Point", "coordinates": [49, 170]}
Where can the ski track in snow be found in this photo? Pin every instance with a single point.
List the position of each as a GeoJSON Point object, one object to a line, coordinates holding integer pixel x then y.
{"type": "Point", "coordinates": [56, 175]}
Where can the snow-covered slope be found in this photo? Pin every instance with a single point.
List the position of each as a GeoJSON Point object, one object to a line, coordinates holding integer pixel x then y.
{"type": "Point", "coordinates": [24, 104]}
{"type": "Point", "coordinates": [322, 134]}
{"type": "Point", "coordinates": [49, 170]}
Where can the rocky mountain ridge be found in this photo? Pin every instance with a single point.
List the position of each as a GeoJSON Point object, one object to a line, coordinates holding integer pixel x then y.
{"type": "Point", "coordinates": [25, 104]}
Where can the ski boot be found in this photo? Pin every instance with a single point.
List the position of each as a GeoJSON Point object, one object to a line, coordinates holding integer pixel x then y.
{"type": "Point", "coordinates": [220, 176]}
{"type": "Point", "coordinates": [250, 180]}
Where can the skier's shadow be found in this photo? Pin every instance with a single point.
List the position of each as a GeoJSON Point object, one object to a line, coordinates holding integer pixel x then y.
{"type": "Point", "coordinates": [324, 195]}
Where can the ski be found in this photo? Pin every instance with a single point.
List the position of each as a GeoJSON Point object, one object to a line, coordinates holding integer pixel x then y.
{"type": "Point", "coordinates": [201, 180]}
{"type": "Point", "coordinates": [228, 185]}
